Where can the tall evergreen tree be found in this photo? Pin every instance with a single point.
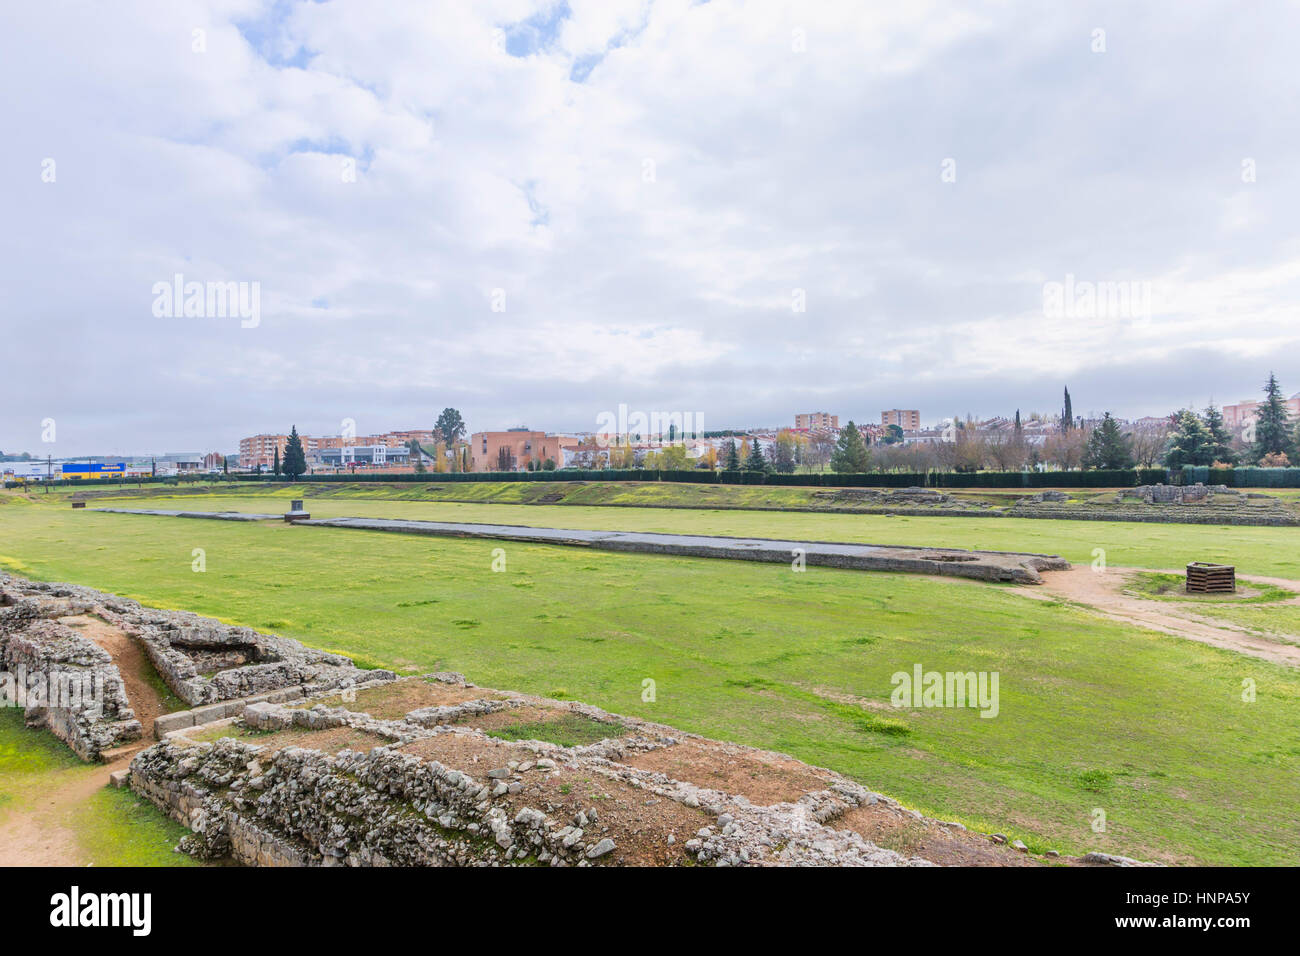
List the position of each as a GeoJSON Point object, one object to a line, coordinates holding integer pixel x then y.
{"type": "Point", "coordinates": [1067, 413]}
{"type": "Point", "coordinates": [275, 467]}
{"type": "Point", "coordinates": [1108, 447]}
{"type": "Point", "coordinates": [295, 459]}
{"type": "Point", "coordinates": [1272, 423]}
{"type": "Point", "coordinates": [1191, 442]}
{"type": "Point", "coordinates": [1220, 439]}
{"type": "Point", "coordinates": [755, 461]}
{"type": "Point", "coordinates": [850, 455]}
{"type": "Point", "coordinates": [733, 457]}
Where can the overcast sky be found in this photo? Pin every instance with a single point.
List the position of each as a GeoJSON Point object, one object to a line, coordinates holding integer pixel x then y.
{"type": "Point", "coordinates": [536, 211]}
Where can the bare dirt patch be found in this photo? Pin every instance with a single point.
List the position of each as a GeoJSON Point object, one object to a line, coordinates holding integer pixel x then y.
{"type": "Point", "coordinates": [638, 822]}
{"type": "Point", "coordinates": [329, 741]}
{"type": "Point", "coordinates": [130, 660]}
{"type": "Point", "coordinates": [898, 830]}
{"type": "Point", "coordinates": [395, 700]}
{"type": "Point", "coordinates": [471, 753]}
{"type": "Point", "coordinates": [1103, 592]}
{"type": "Point", "coordinates": [763, 779]}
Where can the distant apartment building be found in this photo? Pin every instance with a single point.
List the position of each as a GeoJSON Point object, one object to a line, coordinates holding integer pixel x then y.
{"type": "Point", "coordinates": [817, 421]}
{"type": "Point", "coordinates": [1237, 417]}
{"type": "Point", "coordinates": [261, 450]}
{"type": "Point", "coordinates": [393, 439]}
{"type": "Point", "coordinates": [423, 436]}
{"type": "Point", "coordinates": [908, 419]}
{"type": "Point", "coordinates": [512, 450]}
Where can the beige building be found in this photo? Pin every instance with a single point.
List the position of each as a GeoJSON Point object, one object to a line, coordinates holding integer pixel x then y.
{"type": "Point", "coordinates": [512, 450]}
{"type": "Point", "coordinates": [818, 421]}
{"type": "Point", "coordinates": [1237, 417]}
{"type": "Point", "coordinates": [260, 450]}
{"type": "Point", "coordinates": [908, 419]}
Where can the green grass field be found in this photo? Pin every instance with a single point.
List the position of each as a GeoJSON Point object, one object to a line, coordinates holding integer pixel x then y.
{"type": "Point", "coordinates": [1150, 729]}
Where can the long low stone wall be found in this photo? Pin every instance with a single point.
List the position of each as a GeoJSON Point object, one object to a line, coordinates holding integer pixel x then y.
{"type": "Point", "coordinates": [982, 565]}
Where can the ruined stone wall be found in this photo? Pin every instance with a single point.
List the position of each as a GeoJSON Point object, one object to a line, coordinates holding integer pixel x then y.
{"type": "Point", "coordinates": [201, 660]}
{"type": "Point", "coordinates": [66, 683]}
{"type": "Point", "coordinates": [300, 806]}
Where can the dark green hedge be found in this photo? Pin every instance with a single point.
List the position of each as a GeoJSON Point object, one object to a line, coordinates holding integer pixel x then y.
{"type": "Point", "coordinates": [1233, 477]}
{"type": "Point", "coordinates": [1243, 477]}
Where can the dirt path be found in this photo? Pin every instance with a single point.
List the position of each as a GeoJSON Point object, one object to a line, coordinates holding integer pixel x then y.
{"type": "Point", "coordinates": [40, 835]}
{"type": "Point", "coordinates": [130, 660]}
{"type": "Point", "coordinates": [1103, 592]}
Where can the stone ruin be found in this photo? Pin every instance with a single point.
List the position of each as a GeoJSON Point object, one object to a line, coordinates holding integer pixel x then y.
{"type": "Point", "coordinates": [432, 771]}
{"type": "Point", "coordinates": [204, 661]}
{"type": "Point", "coordinates": [1177, 494]}
{"type": "Point", "coordinates": [64, 682]}
{"type": "Point", "coordinates": [913, 495]}
{"type": "Point", "coordinates": [201, 660]}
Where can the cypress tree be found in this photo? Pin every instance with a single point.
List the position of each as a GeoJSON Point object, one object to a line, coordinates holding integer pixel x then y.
{"type": "Point", "coordinates": [275, 467]}
{"type": "Point", "coordinates": [295, 460]}
{"type": "Point", "coordinates": [1067, 413]}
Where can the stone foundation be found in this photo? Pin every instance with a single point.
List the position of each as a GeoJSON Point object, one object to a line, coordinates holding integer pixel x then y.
{"type": "Point", "coordinates": [200, 659]}
{"type": "Point", "coordinates": [65, 682]}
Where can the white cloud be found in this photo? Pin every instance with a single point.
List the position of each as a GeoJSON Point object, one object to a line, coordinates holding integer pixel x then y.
{"type": "Point", "coordinates": [647, 214]}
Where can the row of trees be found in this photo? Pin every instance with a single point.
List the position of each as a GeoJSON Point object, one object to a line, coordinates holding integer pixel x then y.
{"type": "Point", "coordinates": [1185, 438]}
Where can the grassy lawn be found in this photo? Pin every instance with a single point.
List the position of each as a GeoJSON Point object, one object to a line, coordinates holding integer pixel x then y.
{"type": "Point", "coordinates": [112, 828]}
{"type": "Point", "coordinates": [1254, 550]}
{"type": "Point", "coordinates": [1148, 728]}
{"type": "Point", "coordinates": [1283, 621]}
